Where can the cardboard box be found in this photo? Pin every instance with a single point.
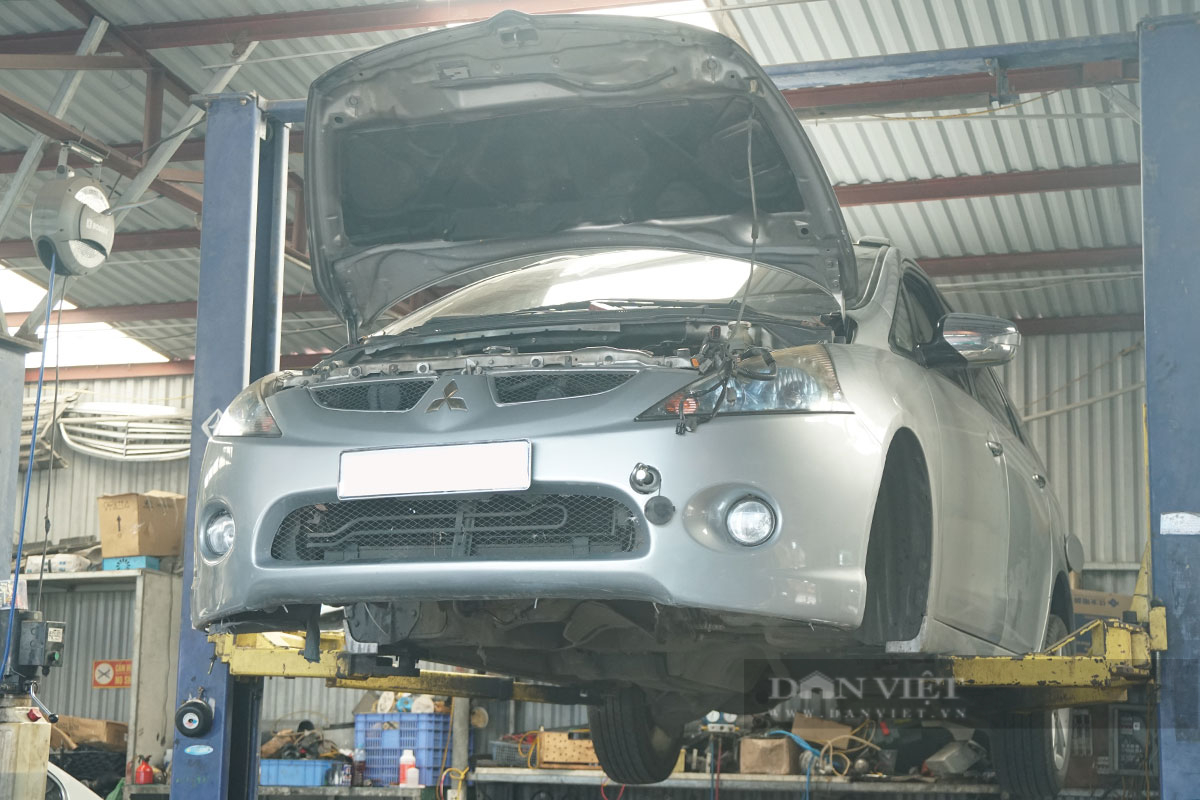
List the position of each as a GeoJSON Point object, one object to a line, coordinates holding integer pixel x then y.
{"type": "Point", "coordinates": [102, 733]}
{"type": "Point", "coordinates": [777, 755]}
{"type": "Point", "coordinates": [145, 524]}
{"type": "Point", "coordinates": [1096, 605]}
{"type": "Point", "coordinates": [817, 731]}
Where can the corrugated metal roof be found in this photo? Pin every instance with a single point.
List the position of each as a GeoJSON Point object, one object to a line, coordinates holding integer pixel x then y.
{"type": "Point", "coordinates": [1066, 129]}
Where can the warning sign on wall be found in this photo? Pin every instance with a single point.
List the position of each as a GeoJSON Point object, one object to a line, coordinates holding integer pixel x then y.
{"type": "Point", "coordinates": [112, 673]}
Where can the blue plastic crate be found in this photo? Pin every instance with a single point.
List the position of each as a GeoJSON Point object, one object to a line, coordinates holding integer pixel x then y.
{"type": "Point", "coordinates": [385, 737]}
{"type": "Point", "coordinates": [294, 772]}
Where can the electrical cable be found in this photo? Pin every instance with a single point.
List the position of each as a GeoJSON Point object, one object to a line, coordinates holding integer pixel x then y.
{"type": "Point", "coordinates": [53, 431]}
{"type": "Point", "coordinates": [605, 796]}
{"type": "Point", "coordinates": [753, 212]}
{"type": "Point", "coordinates": [445, 752]}
{"type": "Point", "coordinates": [712, 761]}
{"type": "Point", "coordinates": [37, 405]}
{"type": "Point", "coordinates": [717, 782]}
{"type": "Point", "coordinates": [964, 114]}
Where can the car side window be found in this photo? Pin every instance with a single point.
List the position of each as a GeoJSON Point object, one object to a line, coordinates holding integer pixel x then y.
{"type": "Point", "coordinates": [926, 309]}
{"type": "Point", "coordinates": [991, 396]}
{"type": "Point", "coordinates": [902, 331]}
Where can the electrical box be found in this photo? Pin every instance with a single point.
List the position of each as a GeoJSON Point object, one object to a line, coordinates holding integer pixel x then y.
{"type": "Point", "coordinates": [1129, 741]}
{"type": "Point", "coordinates": [37, 645]}
{"type": "Point", "coordinates": [40, 643]}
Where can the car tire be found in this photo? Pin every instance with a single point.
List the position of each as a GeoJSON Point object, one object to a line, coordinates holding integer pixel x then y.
{"type": "Point", "coordinates": [630, 745]}
{"type": "Point", "coordinates": [1031, 751]}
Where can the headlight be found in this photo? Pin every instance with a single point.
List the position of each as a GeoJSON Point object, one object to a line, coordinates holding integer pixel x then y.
{"type": "Point", "coordinates": [218, 533]}
{"type": "Point", "coordinates": [805, 381]}
{"type": "Point", "coordinates": [247, 415]}
{"type": "Point", "coordinates": [750, 521]}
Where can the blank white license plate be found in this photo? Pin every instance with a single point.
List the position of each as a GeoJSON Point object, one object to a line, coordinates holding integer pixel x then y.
{"type": "Point", "coordinates": [439, 469]}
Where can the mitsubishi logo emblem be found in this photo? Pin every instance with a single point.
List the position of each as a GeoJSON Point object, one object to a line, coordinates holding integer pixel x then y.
{"type": "Point", "coordinates": [449, 399]}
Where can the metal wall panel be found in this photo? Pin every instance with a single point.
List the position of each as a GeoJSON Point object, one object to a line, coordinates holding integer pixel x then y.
{"type": "Point", "coordinates": [100, 621]}
{"type": "Point", "coordinates": [76, 487]}
{"type": "Point", "coordinates": [1094, 453]}
{"type": "Point", "coordinates": [287, 701]}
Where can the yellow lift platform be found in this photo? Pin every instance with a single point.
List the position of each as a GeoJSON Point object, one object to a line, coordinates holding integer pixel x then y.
{"type": "Point", "coordinates": [1119, 657]}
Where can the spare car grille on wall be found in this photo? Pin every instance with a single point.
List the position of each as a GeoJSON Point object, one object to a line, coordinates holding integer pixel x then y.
{"type": "Point", "coordinates": [372, 395]}
{"type": "Point", "coordinates": [526, 387]}
{"type": "Point", "coordinates": [528, 525]}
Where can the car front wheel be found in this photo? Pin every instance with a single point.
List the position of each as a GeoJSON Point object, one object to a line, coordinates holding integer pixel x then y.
{"type": "Point", "coordinates": [1030, 750]}
{"type": "Point", "coordinates": [630, 745]}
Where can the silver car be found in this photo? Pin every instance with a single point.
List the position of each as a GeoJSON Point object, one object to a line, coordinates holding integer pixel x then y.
{"type": "Point", "coordinates": [623, 407]}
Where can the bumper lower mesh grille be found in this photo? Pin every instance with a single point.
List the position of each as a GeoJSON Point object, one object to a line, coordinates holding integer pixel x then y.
{"type": "Point", "coordinates": [499, 526]}
{"type": "Point", "coordinates": [372, 395]}
{"type": "Point", "coordinates": [526, 387]}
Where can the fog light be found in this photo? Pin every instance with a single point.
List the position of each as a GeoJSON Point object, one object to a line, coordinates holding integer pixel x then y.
{"type": "Point", "coordinates": [218, 533]}
{"type": "Point", "coordinates": [750, 521]}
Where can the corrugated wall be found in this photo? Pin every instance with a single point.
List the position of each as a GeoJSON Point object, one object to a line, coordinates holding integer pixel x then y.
{"type": "Point", "coordinates": [1094, 453]}
{"type": "Point", "coordinates": [76, 487]}
{"type": "Point", "coordinates": [100, 622]}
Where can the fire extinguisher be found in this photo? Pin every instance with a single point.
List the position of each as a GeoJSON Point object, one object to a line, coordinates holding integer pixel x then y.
{"type": "Point", "coordinates": [144, 773]}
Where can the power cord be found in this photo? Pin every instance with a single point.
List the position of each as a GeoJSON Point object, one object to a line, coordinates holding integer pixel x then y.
{"type": "Point", "coordinates": [53, 431]}
{"type": "Point", "coordinates": [37, 406]}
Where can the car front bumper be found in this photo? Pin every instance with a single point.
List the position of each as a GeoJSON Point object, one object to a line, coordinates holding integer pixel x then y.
{"type": "Point", "coordinates": [821, 473]}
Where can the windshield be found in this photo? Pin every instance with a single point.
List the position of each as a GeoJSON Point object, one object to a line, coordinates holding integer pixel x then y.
{"type": "Point", "coordinates": [635, 281]}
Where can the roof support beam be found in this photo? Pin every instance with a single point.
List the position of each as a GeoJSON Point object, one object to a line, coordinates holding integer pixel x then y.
{"type": "Point", "coordinates": [1044, 180]}
{"type": "Point", "coordinates": [189, 150]}
{"type": "Point", "coordinates": [177, 239]}
{"type": "Point", "coordinates": [162, 154]}
{"type": "Point", "coordinates": [302, 24]}
{"type": "Point", "coordinates": [1105, 323]}
{"type": "Point", "coordinates": [58, 105]}
{"type": "Point", "coordinates": [58, 61]}
{"type": "Point", "coordinates": [54, 128]}
{"type": "Point", "coordinates": [159, 369]}
{"type": "Point", "coordinates": [83, 11]}
{"type": "Point", "coordinates": [953, 91]}
{"type": "Point", "coordinates": [958, 78]}
{"type": "Point", "coordinates": [1032, 262]}
{"type": "Point", "coordinates": [152, 113]}
{"type": "Point", "coordinates": [292, 303]}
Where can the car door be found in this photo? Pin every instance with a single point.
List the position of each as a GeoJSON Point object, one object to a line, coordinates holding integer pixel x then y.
{"type": "Point", "coordinates": [1030, 520]}
{"type": "Point", "coordinates": [972, 515]}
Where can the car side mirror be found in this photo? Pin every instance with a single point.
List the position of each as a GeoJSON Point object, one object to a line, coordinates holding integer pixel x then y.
{"type": "Point", "coordinates": [971, 340]}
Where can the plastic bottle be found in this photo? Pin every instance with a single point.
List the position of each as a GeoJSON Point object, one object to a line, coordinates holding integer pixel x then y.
{"type": "Point", "coordinates": [144, 774]}
{"type": "Point", "coordinates": [360, 766]}
{"type": "Point", "coordinates": [408, 766]}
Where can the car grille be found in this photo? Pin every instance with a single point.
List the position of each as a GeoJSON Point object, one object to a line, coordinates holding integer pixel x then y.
{"type": "Point", "coordinates": [526, 387]}
{"type": "Point", "coordinates": [372, 395]}
{"type": "Point", "coordinates": [460, 528]}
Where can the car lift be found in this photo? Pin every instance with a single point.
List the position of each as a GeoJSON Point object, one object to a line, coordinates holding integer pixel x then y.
{"type": "Point", "coordinates": [1119, 658]}
{"type": "Point", "coordinates": [238, 334]}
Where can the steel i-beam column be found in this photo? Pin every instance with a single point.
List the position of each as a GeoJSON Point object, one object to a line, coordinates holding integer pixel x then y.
{"type": "Point", "coordinates": [1170, 62]}
{"type": "Point", "coordinates": [237, 339]}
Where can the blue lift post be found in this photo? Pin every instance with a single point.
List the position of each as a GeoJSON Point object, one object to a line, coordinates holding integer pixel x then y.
{"type": "Point", "coordinates": [1170, 64]}
{"type": "Point", "coordinates": [237, 341]}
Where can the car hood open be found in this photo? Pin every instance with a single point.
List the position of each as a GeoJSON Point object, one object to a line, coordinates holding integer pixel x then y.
{"type": "Point", "coordinates": [526, 135]}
